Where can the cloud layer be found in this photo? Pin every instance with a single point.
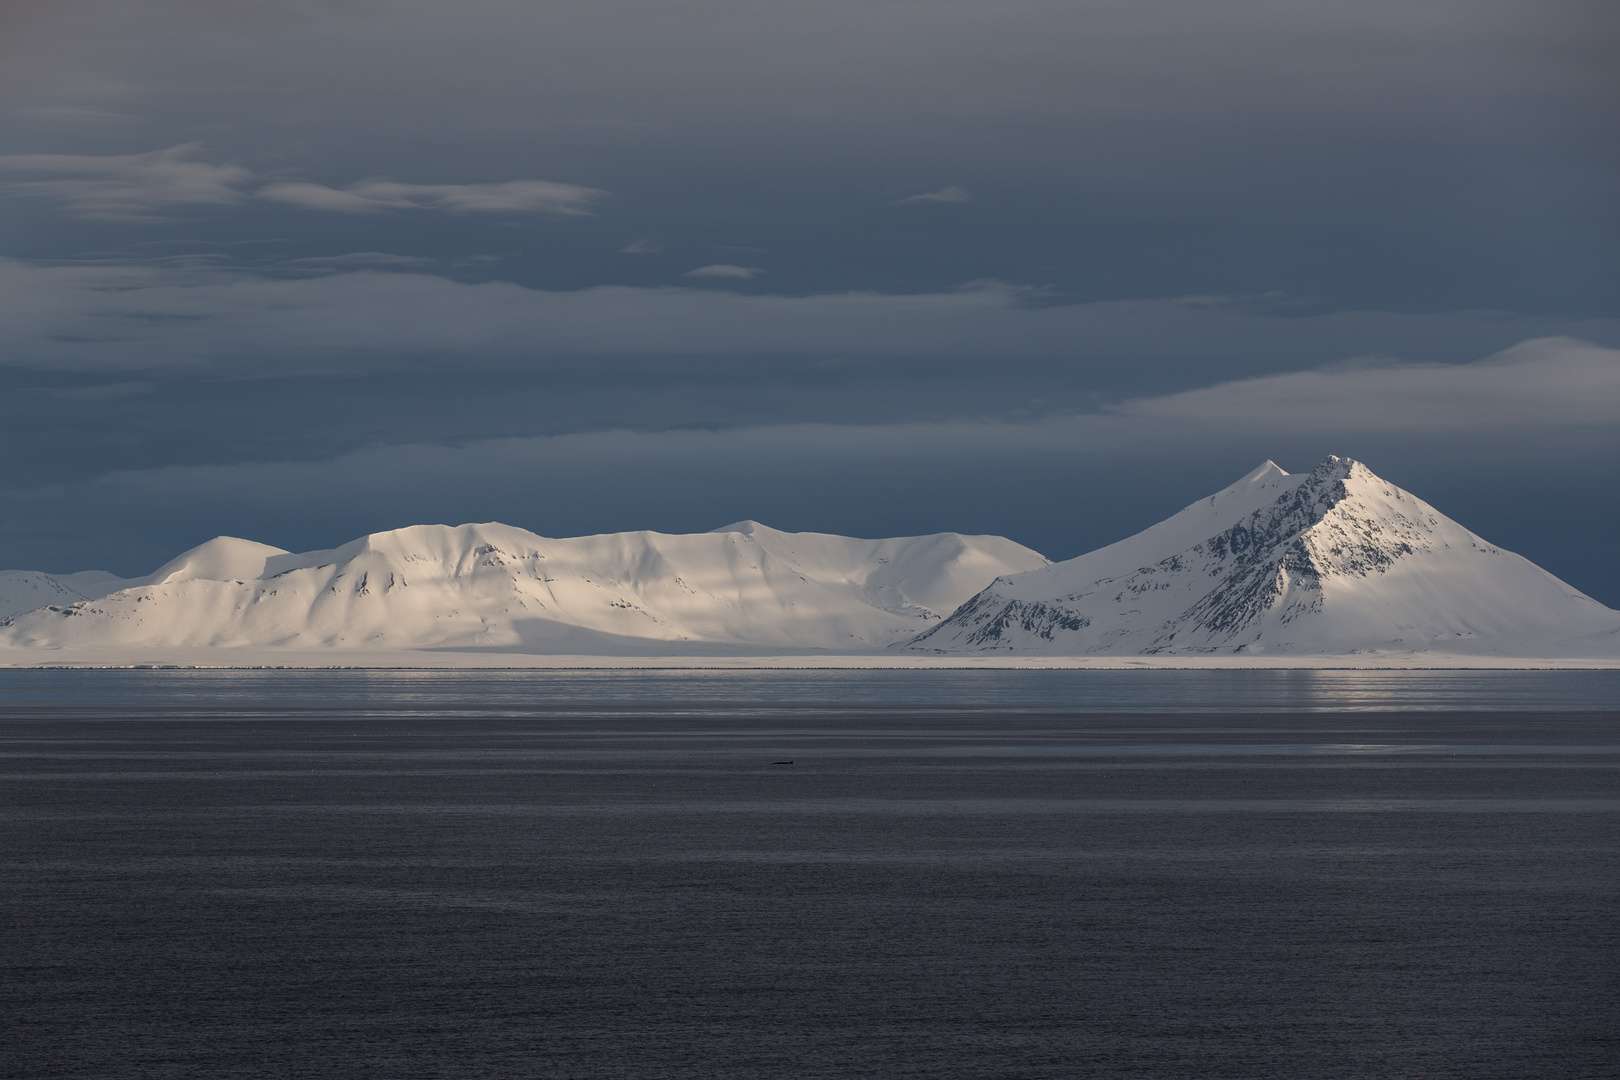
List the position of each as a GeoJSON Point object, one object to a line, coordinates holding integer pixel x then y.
{"type": "Point", "coordinates": [141, 187]}
{"type": "Point", "coordinates": [125, 187]}
{"type": "Point", "coordinates": [943, 195]}
{"type": "Point", "coordinates": [726, 270]}
{"type": "Point", "coordinates": [1568, 391]}
{"type": "Point", "coordinates": [123, 317]}
{"type": "Point", "coordinates": [375, 196]}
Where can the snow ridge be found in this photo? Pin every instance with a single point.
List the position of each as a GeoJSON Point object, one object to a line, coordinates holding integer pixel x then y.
{"type": "Point", "coordinates": [492, 586]}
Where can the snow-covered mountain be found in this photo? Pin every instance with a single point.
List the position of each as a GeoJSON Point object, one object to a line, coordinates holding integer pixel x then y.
{"type": "Point", "coordinates": [1333, 561]}
{"type": "Point", "coordinates": [497, 587]}
{"type": "Point", "coordinates": [25, 590]}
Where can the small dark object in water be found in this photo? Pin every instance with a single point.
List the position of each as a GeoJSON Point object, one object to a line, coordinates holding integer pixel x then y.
{"type": "Point", "coordinates": [781, 763]}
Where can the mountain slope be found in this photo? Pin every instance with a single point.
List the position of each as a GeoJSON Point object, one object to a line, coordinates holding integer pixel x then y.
{"type": "Point", "coordinates": [24, 590]}
{"type": "Point", "coordinates": [222, 558]}
{"type": "Point", "coordinates": [1337, 560]}
{"type": "Point", "coordinates": [494, 586]}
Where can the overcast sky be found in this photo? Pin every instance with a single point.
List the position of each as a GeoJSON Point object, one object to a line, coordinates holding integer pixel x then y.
{"type": "Point", "coordinates": [300, 271]}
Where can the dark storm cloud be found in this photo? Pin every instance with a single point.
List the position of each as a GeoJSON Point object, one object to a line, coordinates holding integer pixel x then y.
{"type": "Point", "coordinates": [1559, 395]}
{"type": "Point", "coordinates": [882, 266]}
{"type": "Point", "coordinates": [141, 317]}
{"type": "Point", "coordinates": [1421, 156]}
{"type": "Point", "coordinates": [1097, 90]}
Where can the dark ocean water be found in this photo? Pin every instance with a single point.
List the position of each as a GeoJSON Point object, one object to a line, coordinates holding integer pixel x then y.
{"type": "Point", "coordinates": [961, 874]}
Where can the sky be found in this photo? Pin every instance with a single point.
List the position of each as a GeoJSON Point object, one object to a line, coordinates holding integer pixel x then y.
{"type": "Point", "coordinates": [299, 271]}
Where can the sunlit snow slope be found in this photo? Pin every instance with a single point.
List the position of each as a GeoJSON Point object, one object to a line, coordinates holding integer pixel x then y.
{"type": "Point", "coordinates": [497, 587]}
{"type": "Point", "coordinates": [1334, 561]}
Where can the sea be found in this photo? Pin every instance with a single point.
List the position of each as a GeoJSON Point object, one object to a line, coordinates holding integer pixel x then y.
{"type": "Point", "coordinates": [762, 874]}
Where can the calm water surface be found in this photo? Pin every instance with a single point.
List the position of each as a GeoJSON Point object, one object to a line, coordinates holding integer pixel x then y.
{"type": "Point", "coordinates": [961, 874]}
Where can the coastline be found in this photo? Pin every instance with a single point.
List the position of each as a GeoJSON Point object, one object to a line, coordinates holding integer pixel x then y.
{"type": "Point", "coordinates": [273, 658]}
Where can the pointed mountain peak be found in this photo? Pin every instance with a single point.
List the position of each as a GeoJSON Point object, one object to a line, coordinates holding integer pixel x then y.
{"type": "Point", "coordinates": [1334, 467]}
{"type": "Point", "coordinates": [1268, 470]}
{"type": "Point", "coordinates": [1337, 478]}
{"type": "Point", "coordinates": [1333, 561]}
{"type": "Point", "coordinates": [1253, 490]}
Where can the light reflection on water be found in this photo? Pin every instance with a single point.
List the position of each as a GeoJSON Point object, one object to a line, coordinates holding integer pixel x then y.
{"type": "Point", "coordinates": [784, 693]}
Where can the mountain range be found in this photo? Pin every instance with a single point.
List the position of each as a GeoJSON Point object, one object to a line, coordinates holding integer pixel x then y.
{"type": "Point", "coordinates": [497, 587]}
{"type": "Point", "coordinates": [1333, 562]}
